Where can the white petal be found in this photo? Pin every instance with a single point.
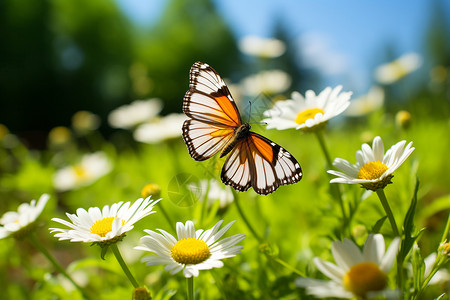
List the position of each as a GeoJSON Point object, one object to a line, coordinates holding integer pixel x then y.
{"type": "Point", "coordinates": [391, 254]}
{"type": "Point", "coordinates": [330, 270]}
{"type": "Point", "coordinates": [374, 248]}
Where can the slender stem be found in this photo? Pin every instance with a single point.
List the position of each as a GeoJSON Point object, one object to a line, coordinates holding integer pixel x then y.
{"type": "Point", "coordinates": [166, 215]}
{"type": "Point", "coordinates": [55, 264]}
{"type": "Point", "coordinates": [387, 209]}
{"type": "Point", "coordinates": [124, 266]}
{"type": "Point", "coordinates": [447, 228]}
{"type": "Point", "coordinates": [288, 266]}
{"type": "Point", "coordinates": [244, 218]}
{"type": "Point", "coordinates": [204, 203]}
{"type": "Point", "coordinates": [334, 187]}
{"type": "Point", "coordinates": [190, 287]}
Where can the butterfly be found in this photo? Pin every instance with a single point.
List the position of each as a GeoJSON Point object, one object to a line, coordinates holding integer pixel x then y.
{"type": "Point", "coordinates": [215, 125]}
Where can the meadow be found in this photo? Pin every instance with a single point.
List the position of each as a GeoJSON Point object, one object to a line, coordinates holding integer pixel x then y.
{"type": "Point", "coordinates": [285, 232]}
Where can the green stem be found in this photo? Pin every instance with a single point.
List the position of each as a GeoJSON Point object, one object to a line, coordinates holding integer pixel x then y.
{"type": "Point", "coordinates": [244, 218]}
{"type": "Point", "coordinates": [288, 266]}
{"type": "Point", "coordinates": [204, 204]}
{"type": "Point", "coordinates": [55, 264]}
{"type": "Point", "coordinates": [387, 209]}
{"type": "Point", "coordinates": [334, 188]}
{"type": "Point", "coordinates": [166, 216]}
{"type": "Point", "coordinates": [446, 230]}
{"type": "Point", "coordinates": [190, 287]}
{"type": "Point", "coordinates": [124, 266]}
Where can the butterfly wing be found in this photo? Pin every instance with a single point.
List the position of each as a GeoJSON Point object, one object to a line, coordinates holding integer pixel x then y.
{"type": "Point", "coordinates": [258, 162]}
{"type": "Point", "coordinates": [212, 111]}
{"type": "Point", "coordinates": [209, 99]}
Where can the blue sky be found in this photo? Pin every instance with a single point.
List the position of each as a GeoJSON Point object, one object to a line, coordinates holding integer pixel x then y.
{"type": "Point", "coordinates": [345, 39]}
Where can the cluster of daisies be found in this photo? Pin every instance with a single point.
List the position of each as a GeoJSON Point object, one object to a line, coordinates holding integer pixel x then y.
{"type": "Point", "coordinates": [357, 273]}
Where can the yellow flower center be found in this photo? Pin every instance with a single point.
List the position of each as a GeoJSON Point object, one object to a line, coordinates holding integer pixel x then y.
{"type": "Point", "coordinates": [151, 189]}
{"type": "Point", "coordinates": [80, 172]}
{"type": "Point", "coordinates": [103, 226]}
{"type": "Point", "coordinates": [190, 251]}
{"type": "Point", "coordinates": [372, 170]}
{"type": "Point", "coordinates": [363, 278]}
{"type": "Point", "coordinates": [307, 114]}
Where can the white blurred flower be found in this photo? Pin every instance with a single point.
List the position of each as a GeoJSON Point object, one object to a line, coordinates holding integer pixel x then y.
{"type": "Point", "coordinates": [391, 72]}
{"type": "Point", "coordinates": [441, 276]}
{"type": "Point", "coordinates": [104, 226]}
{"type": "Point", "coordinates": [85, 121]}
{"type": "Point", "coordinates": [361, 274]}
{"type": "Point", "coordinates": [373, 169]}
{"type": "Point", "coordinates": [18, 223]}
{"type": "Point", "coordinates": [261, 47]}
{"type": "Point", "coordinates": [267, 82]}
{"type": "Point", "coordinates": [309, 112]}
{"type": "Point", "coordinates": [139, 111]}
{"type": "Point", "coordinates": [216, 192]}
{"type": "Point", "coordinates": [366, 104]}
{"type": "Point", "coordinates": [92, 167]}
{"type": "Point", "coordinates": [161, 129]}
{"type": "Point", "coordinates": [192, 251]}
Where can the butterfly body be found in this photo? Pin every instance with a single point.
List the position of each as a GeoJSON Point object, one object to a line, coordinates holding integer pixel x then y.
{"type": "Point", "coordinates": [240, 133]}
{"type": "Point", "coordinates": [215, 125]}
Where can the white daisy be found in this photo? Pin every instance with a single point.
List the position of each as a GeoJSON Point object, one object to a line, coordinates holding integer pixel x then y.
{"type": "Point", "coordinates": [92, 167]}
{"type": "Point", "coordinates": [20, 222]}
{"type": "Point", "coordinates": [399, 68]}
{"type": "Point", "coordinates": [139, 111]}
{"type": "Point", "coordinates": [373, 169]}
{"type": "Point", "coordinates": [161, 129]}
{"type": "Point", "coordinates": [193, 251]}
{"type": "Point", "coordinates": [309, 112]}
{"type": "Point", "coordinates": [261, 47]}
{"type": "Point", "coordinates": [104, 226]}
{"type": "Point", "coordinates": [367, 103]}
{"type": "Point", "coordinates": [270, 82]}
{"type": "Point", "coordinates": [356, 273]}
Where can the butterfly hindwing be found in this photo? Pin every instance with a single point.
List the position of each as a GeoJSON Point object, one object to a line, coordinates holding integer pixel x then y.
{"type": "Point", "coordinates": [205, 139]}
{"type": "Point", "coordinates": [268, 165]}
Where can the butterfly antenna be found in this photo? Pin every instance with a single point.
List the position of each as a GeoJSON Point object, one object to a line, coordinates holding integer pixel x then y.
{"type": "Point", "coordinates": [249, 109]}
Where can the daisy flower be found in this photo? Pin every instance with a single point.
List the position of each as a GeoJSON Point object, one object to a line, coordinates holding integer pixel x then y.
{"type": "Point", "coordinates": [139, 111]}
{"type": "Point", "coordinates": [19, 223]}
{"type": "Point", "coordinates": [160, 129]}
{"type": "Point", "coordinates": [261, 47]}
{"type": "Point", "coordinates": [105, 226]}
{"type": "Point", "coordinates": [374, 168]}
{"type": "Point", "coordinates": [397, 69]}
{"type": "Point", "coordinates": [192, 251]}
{"type": "Point", "coordinates": [367, 103]}
{"type": "Point", "coordinates": [269, 82]}
{"type": "Point", "coordinates": [92, 167]}
{"type": "Point", "coordinates": [357, 273]}
{"type": "Point", "coordinates": [307, 112]}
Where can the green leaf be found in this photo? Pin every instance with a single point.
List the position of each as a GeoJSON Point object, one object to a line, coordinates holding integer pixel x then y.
{"type": "Point", "coordinates": [376, 228]}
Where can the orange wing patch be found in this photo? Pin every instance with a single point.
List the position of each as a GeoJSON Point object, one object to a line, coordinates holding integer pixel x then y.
{"type": "Point", "coordinates": [263, 147]}
{"type": "Point", "coordinates": [229, 109]}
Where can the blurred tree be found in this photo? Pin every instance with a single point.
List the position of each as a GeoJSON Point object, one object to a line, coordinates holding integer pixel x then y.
{"type": "Point", "coordinates": [188, 31]}
{"type": "Point", "coordinates": [58, 57]}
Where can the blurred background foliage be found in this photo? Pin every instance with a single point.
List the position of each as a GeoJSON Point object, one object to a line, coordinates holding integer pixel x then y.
{"type": "Point", "coordinates": [57, 59]}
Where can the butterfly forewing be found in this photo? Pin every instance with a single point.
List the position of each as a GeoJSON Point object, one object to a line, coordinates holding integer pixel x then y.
{"type": "Point", "coordinates": [208, 98]}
